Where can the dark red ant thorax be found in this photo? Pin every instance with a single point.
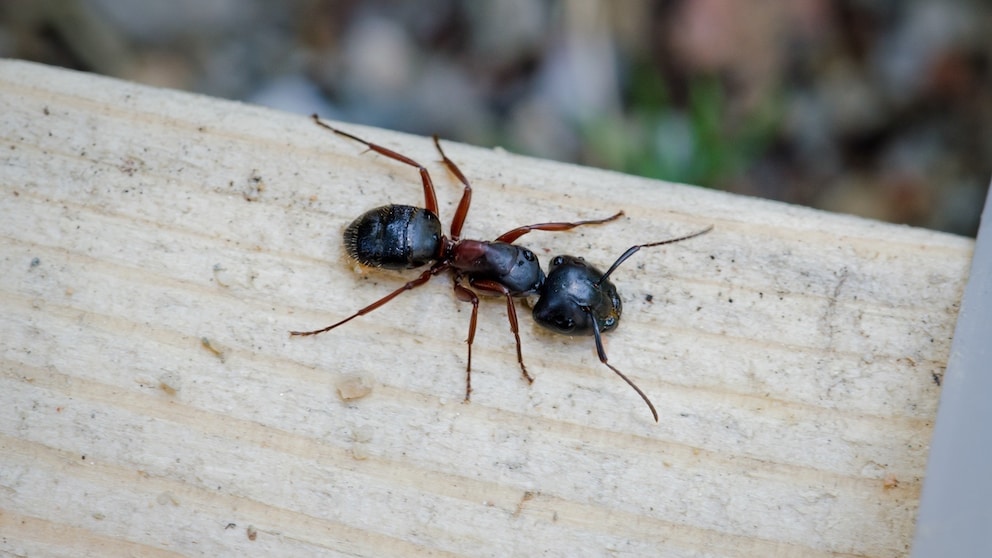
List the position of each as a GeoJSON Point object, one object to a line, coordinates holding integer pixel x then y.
{"type": "Point", "coordinates": [408, 237]}
{"type": "Point", "coordinates": [515, 267]}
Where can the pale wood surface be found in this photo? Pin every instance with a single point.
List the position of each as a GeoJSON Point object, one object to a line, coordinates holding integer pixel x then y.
{"type": "Point", "coordinates": [792, 354]}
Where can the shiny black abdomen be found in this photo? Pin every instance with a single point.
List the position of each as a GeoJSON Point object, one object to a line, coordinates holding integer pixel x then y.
{"type": "Point", "coordinates": [394, 237]}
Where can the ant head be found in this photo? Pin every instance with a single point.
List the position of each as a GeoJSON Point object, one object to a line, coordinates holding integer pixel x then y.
{"type": "Point", "coordinates": [578, 299]}
{"type": "Point", "coordinates": [573, 296]}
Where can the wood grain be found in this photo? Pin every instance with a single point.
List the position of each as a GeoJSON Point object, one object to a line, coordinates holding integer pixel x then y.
{"type": "Point", "coordinates": [158, 246]}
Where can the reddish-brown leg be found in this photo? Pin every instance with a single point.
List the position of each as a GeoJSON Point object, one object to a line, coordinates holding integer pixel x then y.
{"type": "Point", "coordinates": [430, 198]}
{"type": "Point", "coordinates": [466, 295]}
{"type": "Point", "coordinates": [462, 211]}
{"type": "Point", "coordinates": [516, 233]}
{"type": "Point", "coordinates": [511, 314]}
{"type": "Point", "coordinates": [424, 277]}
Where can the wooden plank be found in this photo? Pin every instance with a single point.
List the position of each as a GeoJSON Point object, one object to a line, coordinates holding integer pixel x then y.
{"type": "Point", "coordinates": [158, 246]}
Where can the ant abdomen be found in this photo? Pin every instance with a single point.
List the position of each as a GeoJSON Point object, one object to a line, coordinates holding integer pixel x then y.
{"type": "Point", "coordinates": [394, 237]}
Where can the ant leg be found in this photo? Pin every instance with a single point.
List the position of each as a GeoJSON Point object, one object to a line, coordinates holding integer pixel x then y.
{"type": "Point", "coordinates": [424, 277]}
{"type": "Point", "coordinates": [511, 314]}
{"type": "Point", "coordinates": [602, 358]}
{"type": "Point", "coordinates": [516, 233]}
{"type": "Point", "coordinates": [462, 211]}
{"type": "Point", "coordinates": [465, 295]}
{"type": "Point", "coordinates": [633, 249]}
{"type": "Point", "coordinates": [430, 198]}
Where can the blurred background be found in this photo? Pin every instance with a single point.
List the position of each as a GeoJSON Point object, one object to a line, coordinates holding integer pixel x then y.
{"type": "Point", "coordinates": [880, 108]}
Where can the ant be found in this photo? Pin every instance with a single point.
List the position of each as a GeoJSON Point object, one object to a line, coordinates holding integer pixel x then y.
{"type": "Point", "coordinates": [577, 299]}
{"type": "Point", "coordinates": [408, 237]}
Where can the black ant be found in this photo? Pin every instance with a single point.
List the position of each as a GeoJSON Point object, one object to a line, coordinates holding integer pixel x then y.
{"type": "Point", "coordinates": [407, 237]}
{"type": "Point", "coordinates": [577, 299]}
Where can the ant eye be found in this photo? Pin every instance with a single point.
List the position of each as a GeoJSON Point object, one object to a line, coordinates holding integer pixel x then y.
{"type": "Point", "coordinates": [529, 256]}
{"type": "Point", "coordinates": [563, 323]}
{"type": "Point", "coordinates": [608, 322]}
{"type": "Point", "coordinates": [558, 260]}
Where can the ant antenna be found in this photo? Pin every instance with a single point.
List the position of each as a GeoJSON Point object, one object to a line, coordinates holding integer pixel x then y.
{"type": "Point", "coordinates": [602, 358]}
{"type": "Point", "coordinates": [633, 249]}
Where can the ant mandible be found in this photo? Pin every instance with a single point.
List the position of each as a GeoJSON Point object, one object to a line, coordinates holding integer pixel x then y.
{"type": "Point", "coordinates": [577, 299]}
{"type": "Point", "coordinates": [407, 237]}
